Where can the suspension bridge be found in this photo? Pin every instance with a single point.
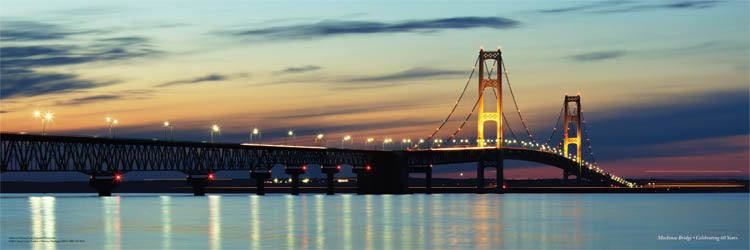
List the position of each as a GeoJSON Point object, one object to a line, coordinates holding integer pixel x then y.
{"type": "Point", "coordinates": [378, 171]}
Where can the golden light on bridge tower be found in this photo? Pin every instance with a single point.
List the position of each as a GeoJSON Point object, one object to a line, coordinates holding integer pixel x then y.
{"type": "Point", "coordinates": [495, 83]}
{"type": "Point", "coordinates": [576, 117]}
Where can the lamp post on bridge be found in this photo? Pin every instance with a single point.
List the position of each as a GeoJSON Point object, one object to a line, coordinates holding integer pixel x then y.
{"type": "Point", "coordinates": [46, 118]}
{"type": "Point", "coordinates": [347, 138]}
{"type": "Point", "coordinates": [215, 129]}
{"type": "Point", "coordinates": [255, 133]}
{"type": "Point", "coordinates": [111, 124]}
{"type": "Point", "coordinates": [320, 138]}
{"type": "Point", "coordinates": [290, 134]}
{"type": "Point", "coordinates": [368, 141]}
{"type": "Point", "coordinates": [171, 135]}
{"type": "Point", "coordinates": [386, 141]}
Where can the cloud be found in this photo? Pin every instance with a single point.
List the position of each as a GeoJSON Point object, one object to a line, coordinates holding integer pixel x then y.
{"type": "Point", "coordinates": [598, 56]}
{"type": "Point", "coordinates": [292, 70]}
{"type": "Point", "coordinates": [119, 95]}
{"type": "Point", "coordinates": [410, 74]}
{"type": "Point", "coordinates": [27, 83]}
{"type": "Point", "coordinates": [90, 99]}
{"type": "Point", "coordinates": [373, 81]}
{"type": "Point", "coordinates": [32, 31]}
{"type": "Point", "coordinates": [208, 78]}
{"type": "Point", "coordinates": [20, 64]}
{"type": "Point", "coordinates": [627, 6]}
{"type": "Point", "coordinates": [348, 109]}
{"type": "Point", "coordinates": [328, 28]}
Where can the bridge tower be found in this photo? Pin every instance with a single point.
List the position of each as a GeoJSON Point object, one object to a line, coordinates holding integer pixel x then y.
{"type": "Point", "coordinates": [496, 83]}
{"type": "Point", "coordinates": [575, 117]}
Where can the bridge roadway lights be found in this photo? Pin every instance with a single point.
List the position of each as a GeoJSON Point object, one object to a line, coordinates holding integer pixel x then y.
{"type": "Point", "coordinates": [104, 183]}
{"type": "Point", "coordinates": [260, 176]}
{"type": "Point", "coordinates": [295, 172]}
{"type": "Point", "coordinates": [330, 172]}
{"type": "Point", "coordinates": [199, 182]}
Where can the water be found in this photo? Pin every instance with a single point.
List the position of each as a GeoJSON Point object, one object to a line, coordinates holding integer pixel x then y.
{"type": "Point", "coordinates": [277, 221]}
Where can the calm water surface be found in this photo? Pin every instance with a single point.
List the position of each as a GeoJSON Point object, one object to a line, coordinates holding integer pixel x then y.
{"type": "Point", "coordinates": [277, 221]}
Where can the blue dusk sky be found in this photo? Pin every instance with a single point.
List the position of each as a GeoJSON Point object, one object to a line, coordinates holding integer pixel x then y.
{"type": "Point", "coordinates": [664, 84]}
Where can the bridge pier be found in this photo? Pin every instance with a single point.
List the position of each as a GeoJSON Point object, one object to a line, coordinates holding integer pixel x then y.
{"type": "Point", "coordinates": [104, 183]}
{"type": "Point", "coordinates": [330, 172]}
{"type": "Point", "coordinates": [480, 178]}
{"type": "Point", "coordinates": [428, 180]}
{"type": "Point", "coordinates": [492, 160]}
{"type": "Point", "coordinates": [199, 182]}
{"type": "Point", "coordinates": [295, 172]}
{"type": "Point", "coordinates": [427, 170]}
{"type": "Point", "coordinates": [260, 177]}
{"type": "Point", "coordinates": [364, 179]}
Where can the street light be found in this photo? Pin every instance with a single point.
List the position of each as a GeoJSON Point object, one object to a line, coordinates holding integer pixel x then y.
{"type": "Point", "coordinates": [291, 135]}
{"type": "Point", "coordinates": [215, 129]}
{"type": "Point", "coordinates": [171, 135]}
{"type": "Point", "coordinates": [346, 138]}
{"type": "Point", "coordinates": [368, 141]}
{"type": "Point", "coordinates": [320, 138]}
{"type": "Point", "coordinates": [386, 141]}
{"type": "Point", "coordinates": [255, 133]}
{"type": "Point", "coordinates": [47, 118]}
{"type": "Point", "coordinates": [110, 124]}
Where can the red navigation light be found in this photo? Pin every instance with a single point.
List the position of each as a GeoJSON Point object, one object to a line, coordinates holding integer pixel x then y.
{"type": "Point", "coordinates": [91, 177]}
{"type": "Point", "coordinates": [304, 167]}
{"type": "Point", "coordinates": [269, 171]}
{"type": "Point", "coordinates": [430, 165]}
{"type": "Point", "coordinates": [321, 165]}
{"type": "Point", "coordinates": [368, 167]}
{"type": "Point", "coordinates": [503, 186]}
{"type": "Point", "coordinates": [211, 177]}
{"type": "Point", "coordinates": [118, 177]}
{"type": "Point", "coordinates": [338, 167]}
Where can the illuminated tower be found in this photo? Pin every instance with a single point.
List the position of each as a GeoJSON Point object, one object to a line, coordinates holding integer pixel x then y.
{"type": "Point", "coordinates": [496, 83]}
{"type": "Point", "coordinates": [575, 117]}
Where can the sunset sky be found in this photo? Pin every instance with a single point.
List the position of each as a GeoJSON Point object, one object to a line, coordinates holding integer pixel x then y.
{"type": "Point", "coordinates": [664, 84]}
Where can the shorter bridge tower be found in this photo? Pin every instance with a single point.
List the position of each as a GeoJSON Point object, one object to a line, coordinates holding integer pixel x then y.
{"type": "Point", "coordinates": [568, 140]}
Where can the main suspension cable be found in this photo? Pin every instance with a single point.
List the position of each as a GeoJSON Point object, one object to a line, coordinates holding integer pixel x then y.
{"type": "Point", "coordinates": [515, 103]}
{"type": "Point", "coordinates": [460, 97]}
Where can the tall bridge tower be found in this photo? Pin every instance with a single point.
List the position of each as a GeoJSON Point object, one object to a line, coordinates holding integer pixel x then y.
{"type": "Point", "coordinates": [496, 83]}
{"type": "Point", "coordinates": [574, 117]}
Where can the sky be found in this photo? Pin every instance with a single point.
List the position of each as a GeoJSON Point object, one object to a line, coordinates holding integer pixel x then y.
{"type": "Point", "coordinates": [664, 84]}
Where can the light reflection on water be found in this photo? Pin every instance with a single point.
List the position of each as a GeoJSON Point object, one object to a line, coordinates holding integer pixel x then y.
{"type": "Point", "coordinates": [149, 221]}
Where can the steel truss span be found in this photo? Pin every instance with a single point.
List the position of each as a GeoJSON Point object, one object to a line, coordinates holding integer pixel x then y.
{"type": "Point", "coordinates": [101, 155]}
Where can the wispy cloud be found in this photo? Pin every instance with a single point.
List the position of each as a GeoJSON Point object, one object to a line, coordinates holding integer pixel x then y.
{"type": "Point", "coordinates": [329, 28]}
{"type": "Point", "coordinates": [410, 74]}
{"type": "Point", "coordinates": [208, 78]}
{"type": "Point", "coordinates": [17, 30]}
{"type": "Point", "coordinates": [120, 95]}
{"type": "Point", "coordinates": [598, 56]}
{"type": "Point", "coordinates": [292, 70]}
{"type": "Point", "coordinates": [372, 81]}
{"type": "Point", "coordinates": [620, 6]}
{"type": "Point", "coordinates": [20, 64]}
{"type": "Point", "coordinates": [89, 99]}
{"type": "Point", "coordinates": [27, 83]}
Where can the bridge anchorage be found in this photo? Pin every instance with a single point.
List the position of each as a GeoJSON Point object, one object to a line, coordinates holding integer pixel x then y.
{"type": "Point", "coordinates": [105, 160]}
